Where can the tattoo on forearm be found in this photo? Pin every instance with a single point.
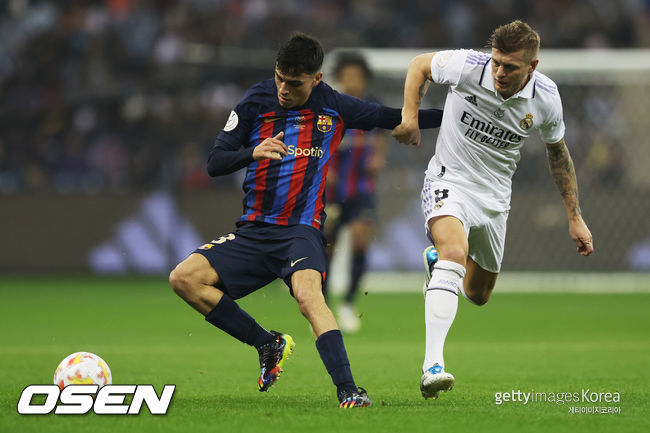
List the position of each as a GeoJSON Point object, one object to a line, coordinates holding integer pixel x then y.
{"type": "Point", "coordinates": [564, 175]}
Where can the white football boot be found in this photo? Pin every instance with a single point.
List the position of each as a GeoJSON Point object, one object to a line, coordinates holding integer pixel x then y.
{"type": "Point", "coordinates": [434, 380]}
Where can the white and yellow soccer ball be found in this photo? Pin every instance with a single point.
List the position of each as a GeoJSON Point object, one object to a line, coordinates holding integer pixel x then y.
{"type": "Point", "coordinates": [82, 368]}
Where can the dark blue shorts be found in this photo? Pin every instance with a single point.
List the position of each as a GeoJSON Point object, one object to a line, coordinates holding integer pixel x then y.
{"type": "Point", "coordinates": [258, 253]}
{"type": "Point", "coordinates": [361, 207]}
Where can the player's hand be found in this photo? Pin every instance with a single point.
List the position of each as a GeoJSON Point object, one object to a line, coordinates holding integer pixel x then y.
{"type": "Point", "coordinates": [271, 148]}
{"type": "Point", "coordinates": [407, 133]}
{"type": "Point", "coordinates": [581, 236]}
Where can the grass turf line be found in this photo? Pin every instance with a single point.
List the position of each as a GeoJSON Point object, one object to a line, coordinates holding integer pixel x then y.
{"type": "Point", "coordinates": [528, 342]}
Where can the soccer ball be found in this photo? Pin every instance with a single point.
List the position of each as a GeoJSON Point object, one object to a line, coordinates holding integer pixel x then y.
{"type": "Point", "coordinates": [82, 368]}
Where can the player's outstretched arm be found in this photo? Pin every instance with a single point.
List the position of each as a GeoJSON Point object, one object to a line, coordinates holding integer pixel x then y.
{"type": "Point", "coordinates": [365, 115]}
{"type": "Point", "coordinates": [426, 119]}
{"type": "Point", "coordinates": [417, 81]}
{"type": "Point", "coordinates": [564, 175]}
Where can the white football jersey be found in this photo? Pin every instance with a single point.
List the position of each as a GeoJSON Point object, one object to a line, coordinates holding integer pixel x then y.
{"type": "Point", "coordinates": [481, 134]}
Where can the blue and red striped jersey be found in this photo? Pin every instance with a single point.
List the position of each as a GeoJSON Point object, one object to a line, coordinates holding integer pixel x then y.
{"type": "Point", "coordinates": [292, 190]}
{"type": "Point", "coordinates": [350, 165]}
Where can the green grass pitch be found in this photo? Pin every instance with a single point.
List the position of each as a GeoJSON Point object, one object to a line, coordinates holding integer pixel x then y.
{"type": "Point", "coordinates": [529, 342]}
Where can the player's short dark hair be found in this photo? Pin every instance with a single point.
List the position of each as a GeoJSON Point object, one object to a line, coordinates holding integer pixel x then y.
{"type": "Point", "coordinates": [516, 36]}
{"type": "Point", "coordinates": [351, 58]}
{"type": "Point", "coordinates": [301, 54]}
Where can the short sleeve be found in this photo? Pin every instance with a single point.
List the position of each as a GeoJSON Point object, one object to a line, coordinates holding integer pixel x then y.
{"type": "Point", "coordinates": [553, 129]}
{"type": "Point", "coordinates": [447, 66]}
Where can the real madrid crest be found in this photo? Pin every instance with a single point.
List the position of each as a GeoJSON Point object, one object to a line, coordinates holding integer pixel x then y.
{"type": "Point", "coordinates": [527, 122]}
{"type": "Point", "coordinates": [324, 123]}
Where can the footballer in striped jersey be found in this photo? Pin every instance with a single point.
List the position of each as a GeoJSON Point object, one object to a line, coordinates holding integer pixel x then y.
{"type": "Point", "coordinates": [284, 132]}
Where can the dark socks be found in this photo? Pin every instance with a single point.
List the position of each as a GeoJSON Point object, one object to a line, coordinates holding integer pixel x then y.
{"type": "Point", "coordinates": [228, 317]}
{"type": "Point", "coordinates": [332, 352]}
{"type": "Point", "coordinates": [358, 268]}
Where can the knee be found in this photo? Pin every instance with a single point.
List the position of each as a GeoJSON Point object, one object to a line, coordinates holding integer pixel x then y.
{"type": "Point", "coordinates": [308, 300]}
{"type": "Point", "coordinates": [182, 282]}
{"type": "Point", "coordinates": [308, 291]}
{"type": "Point", "coordinates": [479, 297]}
{"type": "Point", "coordinates": [360, 243]}
{"type": "Point", "coordinates": [455, 254]}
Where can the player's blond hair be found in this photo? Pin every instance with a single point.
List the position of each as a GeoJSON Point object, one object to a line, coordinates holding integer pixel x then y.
{"type": "Point", "coordinates": [515, 36]}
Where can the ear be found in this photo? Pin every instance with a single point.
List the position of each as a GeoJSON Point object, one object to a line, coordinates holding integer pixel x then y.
{"type": "Point", "coordinates": [317, 79]}
{"type": "Point", "coordinates": [533, 65]}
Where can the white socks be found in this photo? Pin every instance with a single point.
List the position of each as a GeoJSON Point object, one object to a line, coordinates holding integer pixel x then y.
{"type": "Point", "coordinates": [440, 306]}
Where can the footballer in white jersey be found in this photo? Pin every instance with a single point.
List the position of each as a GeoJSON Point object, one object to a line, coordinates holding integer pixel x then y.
{"type": "Point", "coordinates": [482, 133]}
{"type": "Point", "coordinates": [494, 102]}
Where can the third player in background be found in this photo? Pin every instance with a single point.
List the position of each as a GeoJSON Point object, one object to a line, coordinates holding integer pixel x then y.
{"type": "Point", "coordinates": [351, 186]}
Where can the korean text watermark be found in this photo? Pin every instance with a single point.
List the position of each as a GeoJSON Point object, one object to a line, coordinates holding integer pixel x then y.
{"type": "Point", "coordinates": [584, 401]}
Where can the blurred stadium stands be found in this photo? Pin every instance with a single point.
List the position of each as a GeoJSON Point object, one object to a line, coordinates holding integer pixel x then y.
{"type": "Point", "coordinates": [110, 105]}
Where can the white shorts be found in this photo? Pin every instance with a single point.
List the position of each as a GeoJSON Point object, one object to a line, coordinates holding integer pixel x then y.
{"type": "Point", "coordinates": [485, 228]}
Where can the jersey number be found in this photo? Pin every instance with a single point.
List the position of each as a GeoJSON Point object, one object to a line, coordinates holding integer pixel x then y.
{"type": "Point", "coordinates": [222, 239]}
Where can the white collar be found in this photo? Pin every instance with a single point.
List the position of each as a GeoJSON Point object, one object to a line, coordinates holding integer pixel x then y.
{"type": "Point", "coordinates": [487, 82]}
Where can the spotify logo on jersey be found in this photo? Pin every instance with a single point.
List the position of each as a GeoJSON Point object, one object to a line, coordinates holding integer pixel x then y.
{"type": "Point", "coordinates": [297, 151]}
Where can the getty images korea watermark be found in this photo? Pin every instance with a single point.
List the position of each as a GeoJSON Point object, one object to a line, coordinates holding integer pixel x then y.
{"type": "Point", "coordinates": [585, 401]}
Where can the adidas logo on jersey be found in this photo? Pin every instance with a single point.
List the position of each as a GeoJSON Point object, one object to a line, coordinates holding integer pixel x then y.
{"type": "Point", "coordinates": [471, 99]}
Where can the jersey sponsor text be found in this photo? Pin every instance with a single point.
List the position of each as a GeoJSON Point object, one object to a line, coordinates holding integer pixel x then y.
{"type": "Point", "coordinates": [298, 151]}
{"type": "Point", "coordinates": [486, 132]}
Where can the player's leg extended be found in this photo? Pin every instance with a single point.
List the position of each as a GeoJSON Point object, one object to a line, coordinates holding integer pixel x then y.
{"type": "Point", "coordinates": [441, 300]}
{"type": "Point", "coordinates": [307, 289]}
{"type": "Point", "coordinates": [478, 283]}
{"type": "Point", "coordinates": [194, 280]}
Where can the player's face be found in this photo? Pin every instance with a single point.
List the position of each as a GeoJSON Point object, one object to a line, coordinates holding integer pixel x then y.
{"type": "Point", "coordinates": [352, 80]}
{"type": "Point", "coordinates": [293, 91]}
{"type": "Point", "coordinates": [511, 71]}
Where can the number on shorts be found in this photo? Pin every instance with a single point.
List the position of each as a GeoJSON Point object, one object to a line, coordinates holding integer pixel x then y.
{"type": "Point", "coordinates": [441, 194]}
{"type": "Point", "coordinates": [222, 239]}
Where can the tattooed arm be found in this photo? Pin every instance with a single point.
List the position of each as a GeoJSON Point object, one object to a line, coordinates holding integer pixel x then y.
{"type": "Point", "coordinates": [417, 82]}
{"type": "Point", "coordinates": [565, 178]}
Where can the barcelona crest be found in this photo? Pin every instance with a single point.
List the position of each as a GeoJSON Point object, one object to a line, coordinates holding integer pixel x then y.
{"type": "Point", "coordinates": [324, 123]}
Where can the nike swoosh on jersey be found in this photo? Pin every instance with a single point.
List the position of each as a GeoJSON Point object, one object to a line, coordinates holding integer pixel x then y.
{"type": "Point", "coordinates": [293, 262]}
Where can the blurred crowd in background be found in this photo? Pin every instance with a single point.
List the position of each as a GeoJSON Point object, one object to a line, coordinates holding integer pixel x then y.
{"type": "Point", "coordinates": [109, 95]}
